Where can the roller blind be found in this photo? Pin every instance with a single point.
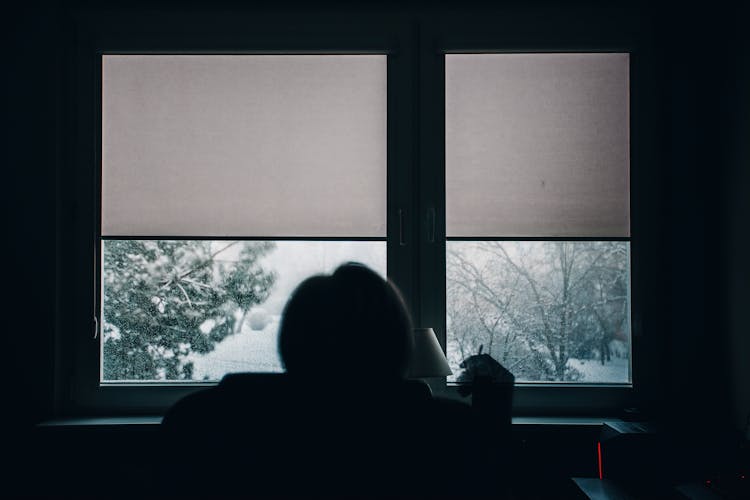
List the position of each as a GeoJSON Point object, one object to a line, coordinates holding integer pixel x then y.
{"type": "Point", "coordinates": [244, 145]}
{"type": "Point", "coordinates": [537, 145]}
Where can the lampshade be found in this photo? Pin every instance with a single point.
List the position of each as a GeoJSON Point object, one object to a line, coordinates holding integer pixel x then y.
{"type": "Point", "coordinates": [427, 359]}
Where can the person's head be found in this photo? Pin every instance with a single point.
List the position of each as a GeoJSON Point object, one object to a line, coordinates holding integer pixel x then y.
{"type": "Point", "coordinates": [349, 323]}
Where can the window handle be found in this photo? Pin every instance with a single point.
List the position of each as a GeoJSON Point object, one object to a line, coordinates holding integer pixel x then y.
{"type": "Point", "coordinates": [96, 327]}
{"type": "Point", "coordinates": [431, 224]}
{"type": "Point", "coordinates": [401, 240]}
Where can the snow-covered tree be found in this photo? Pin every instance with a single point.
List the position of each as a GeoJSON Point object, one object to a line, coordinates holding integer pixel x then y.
{"type": "Point", "coordinates": [534, 306]}
{"type": "Point", "coordinates": [163, 300]}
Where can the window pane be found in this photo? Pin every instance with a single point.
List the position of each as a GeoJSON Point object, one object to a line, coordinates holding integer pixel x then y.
{"type": "Point", "coordinates": [195, 310]}
{"type": "Point", "coordinates": [537, 145]}
{"type": "Point", "coordinates": [549, 311]}
{"type": "Point", "coordinates": [246, 145]}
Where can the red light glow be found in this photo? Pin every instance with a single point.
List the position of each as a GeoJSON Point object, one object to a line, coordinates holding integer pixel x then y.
{"type": "Point", "coordinates": [599, 458]}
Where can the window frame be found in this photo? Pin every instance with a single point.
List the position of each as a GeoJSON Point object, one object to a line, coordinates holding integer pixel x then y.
{"type": "Point", "coordinates": [78, 345]}
{"type": "Point", "coordinates": [415, 45]}
{"type": "Point", "coordinates": [572, 32]}
{"type": "Point", "coordinates": [540, 397]}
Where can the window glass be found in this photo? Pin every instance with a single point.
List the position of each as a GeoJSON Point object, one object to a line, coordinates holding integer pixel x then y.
{"type": "Point", "coordinates": [537, 214]}
{"type": "Point", "coordinates": [549, 311]}
{"type": "Point", "coordinates": [198, 309]}
{"type": "Point", "coordinates": [225, 181]}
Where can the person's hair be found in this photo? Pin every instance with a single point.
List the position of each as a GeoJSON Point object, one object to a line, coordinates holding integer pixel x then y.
{"type": "Point", "coordinates": [350, 323]}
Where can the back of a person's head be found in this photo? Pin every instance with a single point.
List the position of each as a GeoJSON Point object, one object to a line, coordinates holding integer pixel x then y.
{"type": "Point", "coordinates": [350, 324]}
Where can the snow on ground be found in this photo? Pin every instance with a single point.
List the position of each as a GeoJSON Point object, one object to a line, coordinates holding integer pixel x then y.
{"type": "Point", "coordinates": [614, 371]}
{"type": "Point", "coordinates": [250, 350]}
{"type": "Point", "coordinates": [255, 349]}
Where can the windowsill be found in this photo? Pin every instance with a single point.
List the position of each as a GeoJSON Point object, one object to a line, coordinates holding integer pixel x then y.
{"type": "Point", "coordinates": [102, 421]}
{"type": "Point", "coordinates": [572, 421]}
{"type": "Point", "coordinates": [153, 420]}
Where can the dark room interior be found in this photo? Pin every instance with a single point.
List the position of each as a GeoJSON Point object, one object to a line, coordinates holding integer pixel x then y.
{"type": "Point", "coordinates": [676, 424]}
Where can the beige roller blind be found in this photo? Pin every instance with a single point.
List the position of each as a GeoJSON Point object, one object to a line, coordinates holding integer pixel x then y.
{"type": "Point", "coordinates": [245, 145]}
{"type": "Point", "coordinates": [537, 145]}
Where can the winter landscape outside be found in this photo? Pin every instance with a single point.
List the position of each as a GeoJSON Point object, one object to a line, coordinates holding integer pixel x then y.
{"type": "Point", "coordinates": [196, 310]}
{"type": "Point", "coordinates": [549, 311]}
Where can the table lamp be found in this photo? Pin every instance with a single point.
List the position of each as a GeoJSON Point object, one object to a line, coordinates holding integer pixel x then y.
{"type": "Point", "coordinates": [428, 359]}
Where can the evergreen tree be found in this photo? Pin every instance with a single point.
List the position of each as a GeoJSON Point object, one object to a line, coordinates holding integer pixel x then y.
{"type": "Point", "coordinates": [163, 300]}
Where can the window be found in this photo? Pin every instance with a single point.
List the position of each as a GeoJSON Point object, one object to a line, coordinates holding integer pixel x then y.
{"type": "Point", "coordinates": [493, 188]}
{"type": "Point", "coordinates": [537, 214]}
{"type": "Point", "coordinates": [227, 180]}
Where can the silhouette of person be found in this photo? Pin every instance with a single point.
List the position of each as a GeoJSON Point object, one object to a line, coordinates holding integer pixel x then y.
{"type": "Point", "coordinates": [352, 322]}
{"type": "Point", "coordinates": [343, 420]}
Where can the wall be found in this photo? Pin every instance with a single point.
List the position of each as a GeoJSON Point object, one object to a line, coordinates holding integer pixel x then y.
{"type": "Point", "coordinates": [705, 155]}
{"type": "Point", "coordinates": [34, 86]}
{"type": "Point", "coordinates": [738, 206]}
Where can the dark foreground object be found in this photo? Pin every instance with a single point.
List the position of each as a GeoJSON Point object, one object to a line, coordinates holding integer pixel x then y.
{"type": "Point", "coordinates": [261, 435]}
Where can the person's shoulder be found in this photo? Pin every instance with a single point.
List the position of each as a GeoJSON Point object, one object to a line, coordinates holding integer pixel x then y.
{"type": "Point", "coordinates": [194, 406]}
{"type": "Point", "coordinates": [237, 395]}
